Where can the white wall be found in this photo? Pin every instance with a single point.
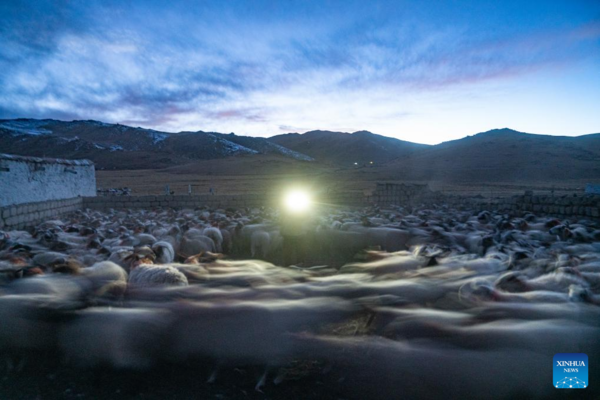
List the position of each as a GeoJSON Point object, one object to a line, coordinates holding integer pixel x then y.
{"type": "Point", "coordinates": [29, 179]}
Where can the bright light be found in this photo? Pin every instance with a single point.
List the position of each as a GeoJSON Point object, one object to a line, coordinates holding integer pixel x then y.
{"type": "Point", "coordinates": [297, 201]}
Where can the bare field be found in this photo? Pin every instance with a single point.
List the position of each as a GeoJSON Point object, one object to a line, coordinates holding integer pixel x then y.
{"type": "Point", "coordinates": [257, 180]}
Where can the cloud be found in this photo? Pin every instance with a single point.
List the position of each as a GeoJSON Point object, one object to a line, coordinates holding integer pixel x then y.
{"type": "Point", "coordinates": [264, 68]}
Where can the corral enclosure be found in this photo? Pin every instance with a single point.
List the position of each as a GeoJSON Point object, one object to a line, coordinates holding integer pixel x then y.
{"type": "Point", "coordinates": [399, 280]}
{"type": "Point", "coordinates": [32, 179]}
{"type": "Point", "coordinates": [423, 303]}
{"type": "Point", "coordinates": [19, 216]}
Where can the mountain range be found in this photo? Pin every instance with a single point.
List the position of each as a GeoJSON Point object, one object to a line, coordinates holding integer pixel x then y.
{"type": "Point", "coordinates": [504, 155]}
{"type": "Point", "coordinates": [346, 149]}
{"type": "Point", "coordinates": [495, 155]}
{"type": "Point", "coordinates": [115, 146]}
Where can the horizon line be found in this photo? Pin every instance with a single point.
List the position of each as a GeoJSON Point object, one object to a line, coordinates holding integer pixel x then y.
{"type": "Point", "coordinates": [296, 132]}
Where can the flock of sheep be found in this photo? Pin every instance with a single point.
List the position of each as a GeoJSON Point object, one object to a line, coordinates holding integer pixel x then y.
{"type": "Point", "coordinates": [395, 303]}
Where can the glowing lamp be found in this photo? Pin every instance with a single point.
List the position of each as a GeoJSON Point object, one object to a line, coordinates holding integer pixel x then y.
{"type": "Point", "coordinates": [297, 201]}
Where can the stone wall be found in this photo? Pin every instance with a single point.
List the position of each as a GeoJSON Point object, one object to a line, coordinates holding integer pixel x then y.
{"type": "Point", "coordinates": [574, 206]}
{"type": "Point", "coordinates": [29, 214]}
{"type": "Point", "coordinates": [31, 179]}
{"type": "Point", "coordinates": [344, 199]}
{"type": "Point", "coordinates": [400, 194]}
{"type": "Point", "coordinates": [176, 201]}
{"type": "Point", "coordinates": [212, 201]}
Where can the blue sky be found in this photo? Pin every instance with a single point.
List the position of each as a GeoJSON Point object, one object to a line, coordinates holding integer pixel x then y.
{"type": "Point", "coordinates": [424, 71]}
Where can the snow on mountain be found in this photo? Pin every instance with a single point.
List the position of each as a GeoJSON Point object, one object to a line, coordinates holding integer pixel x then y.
{"type": "Point", "coordinates": [121, 146]}
{"type": "Point", "coordinates": [25, 126]}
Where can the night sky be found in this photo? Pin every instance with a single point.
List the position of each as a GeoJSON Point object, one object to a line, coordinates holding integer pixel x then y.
{"type": "Point", "coordinates": [424, 71]}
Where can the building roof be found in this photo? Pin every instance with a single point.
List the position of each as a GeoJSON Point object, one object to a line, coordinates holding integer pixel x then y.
{"type": "Point", "coordinates": [38, 160]}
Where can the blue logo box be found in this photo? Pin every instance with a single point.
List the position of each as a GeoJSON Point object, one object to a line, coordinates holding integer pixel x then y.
{"type": "Point", "coordinates": [570, 371]}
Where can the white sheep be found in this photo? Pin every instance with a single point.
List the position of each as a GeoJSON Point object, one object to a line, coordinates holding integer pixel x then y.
{"type": "Point", "coordinates": [145, 239]}
{"type": "Point", "coordinates": [484, 291]}
{"type": "Point", "coordinates": [217, 237]}
{"type": "Point", "coordinates": [556, 282]}
{"type": "Point", "coordinates": [156, 275]}
{"type": "Point", "coordinates": [164, 251]}
{"type": "Point", "coordinates": [106, 277]}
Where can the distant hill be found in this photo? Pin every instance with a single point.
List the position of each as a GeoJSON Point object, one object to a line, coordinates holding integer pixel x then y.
{"type": "Point", "coordinates": [502, 155]}
{"type": "Point", "coordinates": [499, 155]}
{"type": "Point", "coordinates": [114, 146]}
{"type": "Point", "coordinates": [345, 149]}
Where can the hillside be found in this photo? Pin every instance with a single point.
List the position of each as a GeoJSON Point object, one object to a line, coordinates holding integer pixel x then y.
{"type": "Point", "coordinates": [502, 155]}
{"type": "Point", "coordinates": [499, 155]}
{"type": "Point", "coordinates": [114, 146]}
{"type": "Point", "coordinates": [345, 149]}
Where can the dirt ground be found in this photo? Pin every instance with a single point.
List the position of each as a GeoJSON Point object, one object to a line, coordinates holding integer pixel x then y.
{"type": "Point", "coordinates": [48, 377]}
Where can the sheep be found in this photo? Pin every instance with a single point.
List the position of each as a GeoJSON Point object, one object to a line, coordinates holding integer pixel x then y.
{"type": "Point", "coordinates": [577, 293]}
{"type": "Point", "coordinates": [389, 239]}
{"type": "Point", "coordinates": [106, 279]}
{"type": "Point", "coordinates": [144, 239]}
{"type": "Point", "coordinates": [155, 275]}
{"type": "Point", "coordinates": [194, 273]}
{"type": "Point", "coordinates": [399, 262]}
{"type": "Point", "coordinates": [122, 338]}
{"type": "Point", "coordinates": [248, 230]}
{"type": "Point", "coordinates": [217, 237]}
{"type": "Point", "coordinates": [164, 251]}
{"type": "Point", "coordinates": [557, 282]}
{"type": "Point", "coordinates": [204, 257]}
{"type": "Point", "coordinates": [260, 240]}
{"type": "Point", "coordinates": [339, 243]}
{"type": "Point", "coordinates": [29, 321]}
{"type": "Point", "coordinates": [193, 233]}
{"type": "Point", "coordinates": [190, 247]}
{"type": "Point", "coordinates": [227, 244]}
{"type": "Point", "coordinates": [48, 259]}
{"type": "Point", "coordinates": [371, 367]}
{"type": "Point", "coordinates": [471, 291]}
{"type": "Point", "coordinates": [482, 266]}
{"type": "Point", "coordinates": [592, 266]}
{"type": "Point", "coordinates": [386, 318]}
{"type": "Point", "coordinates": [454, 288]}
{"type": "Point", "coordinates": [120, 257]}
{"type": "Point", "coordinates": [250, 332]}
{"type": "Point", "coordinates": [541, 335]}
{"type": "Point", "coordinates": [575, 310]}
